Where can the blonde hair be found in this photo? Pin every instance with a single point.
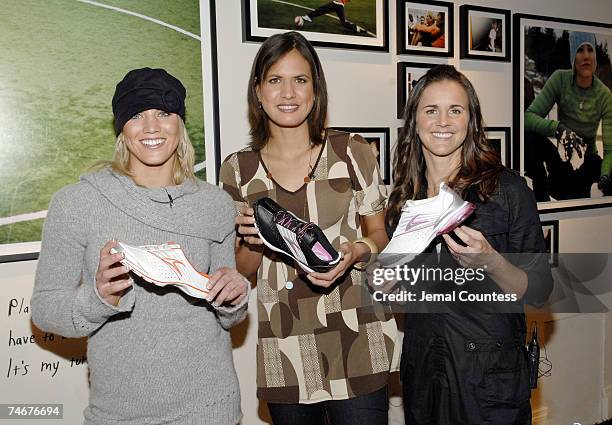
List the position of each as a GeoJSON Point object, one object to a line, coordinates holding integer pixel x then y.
{"type": "Point", "coordinates": [184, 160]}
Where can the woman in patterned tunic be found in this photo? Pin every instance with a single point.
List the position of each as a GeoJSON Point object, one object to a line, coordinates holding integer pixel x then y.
{"type": "Point", "coordinates": [324, 349]}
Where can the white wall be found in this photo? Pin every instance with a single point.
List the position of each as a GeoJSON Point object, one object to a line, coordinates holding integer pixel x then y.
{"type": "Point", "coordinates": [362, 92]}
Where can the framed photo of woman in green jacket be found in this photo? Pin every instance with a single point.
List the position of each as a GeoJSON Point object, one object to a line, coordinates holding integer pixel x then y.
{"type": "Point", "coordinates": [563, 111]}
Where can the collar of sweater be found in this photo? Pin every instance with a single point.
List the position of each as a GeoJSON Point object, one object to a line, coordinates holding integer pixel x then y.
{"type": "Point", "coordinates": [188, 214]}
{"type": "Point", "coordinates": [163, 195]}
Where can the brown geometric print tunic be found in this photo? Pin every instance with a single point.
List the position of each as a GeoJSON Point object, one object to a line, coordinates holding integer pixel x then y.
{"type": "Point", "coordinates": [318, 344]}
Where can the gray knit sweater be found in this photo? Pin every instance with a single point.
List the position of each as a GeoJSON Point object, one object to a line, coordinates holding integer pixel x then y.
{"type": "Point", "coordinates": [160, 356]}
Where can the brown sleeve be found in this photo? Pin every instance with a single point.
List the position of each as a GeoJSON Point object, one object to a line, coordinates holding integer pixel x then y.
{"type": "Point", "coordinates": [372, 192]}
{"type": "Point", "coordinates": [229, 178]}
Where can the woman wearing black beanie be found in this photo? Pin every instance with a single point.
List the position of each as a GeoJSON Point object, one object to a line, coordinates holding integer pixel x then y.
{"type": "Point", "coordinates": [156, 355]}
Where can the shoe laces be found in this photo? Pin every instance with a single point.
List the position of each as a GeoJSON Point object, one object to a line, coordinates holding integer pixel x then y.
{"type": "Point", "coordinates": [297, 226]}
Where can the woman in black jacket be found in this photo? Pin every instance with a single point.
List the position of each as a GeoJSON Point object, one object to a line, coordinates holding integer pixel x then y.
{"type": "Point", "coordinates": [466, 363]}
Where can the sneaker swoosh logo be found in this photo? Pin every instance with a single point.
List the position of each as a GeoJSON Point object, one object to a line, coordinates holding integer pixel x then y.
{"type": "Point", "coordinates": [413, 225]}
{"type": "Point", "coordinates": [174, 265]}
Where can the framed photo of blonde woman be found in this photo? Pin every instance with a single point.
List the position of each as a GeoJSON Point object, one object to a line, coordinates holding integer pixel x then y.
{"type": "Point", "coordinates": [563, 111]}
{"type": "Point", "coordinates": [484, 33]}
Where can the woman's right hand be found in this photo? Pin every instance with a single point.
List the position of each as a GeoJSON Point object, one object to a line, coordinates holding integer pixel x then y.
{"type": "Point", "coordinates": [112, 277]}
{"type": "Point", "coordinates": [246, 225]}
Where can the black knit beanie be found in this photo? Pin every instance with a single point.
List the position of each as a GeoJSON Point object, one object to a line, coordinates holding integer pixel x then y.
{"type": "Point", "coordinates": [147, 88]}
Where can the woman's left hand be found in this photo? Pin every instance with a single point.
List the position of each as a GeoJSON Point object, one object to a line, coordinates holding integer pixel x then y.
{"type": "Point", "coordinates": [226, 286]}
{"type": "Point", "coordinates": [478, 251]}
{"type": "Point", "coordinates": [347, 249]}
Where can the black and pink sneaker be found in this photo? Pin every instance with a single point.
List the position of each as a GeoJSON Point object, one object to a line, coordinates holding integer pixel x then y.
{"type": "Point", "coordinates": [282, 231]}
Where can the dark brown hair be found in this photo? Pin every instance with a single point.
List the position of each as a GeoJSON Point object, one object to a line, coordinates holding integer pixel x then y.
{"type": "Point", "coordinates": [270, 52]}
{"type": "Point", "coordinates": [480, 164]}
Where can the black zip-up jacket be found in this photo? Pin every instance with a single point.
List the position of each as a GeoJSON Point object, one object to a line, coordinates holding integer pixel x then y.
{"type": "Point", "coordinates": [468, 365]}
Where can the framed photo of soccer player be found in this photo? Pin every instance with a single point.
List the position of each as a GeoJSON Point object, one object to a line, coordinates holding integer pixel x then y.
{"type": "Point", "coordinates": [408, 73]}
{"type": "Point", "coordinates": [380, 143]}
{"type": "Point", "coordinates": [425, 28]}
{"type": "Point", "coordinates": [484, 33]}
{"type": "Point", "coordinates": [561, 92]}
{"type": "Point", "coordinates": [499, 138]}
{"type": "Point", "coordinates": [550, 229]}
{"type": "Point", "coordinates": [38, 153]}
{"type": "Point", "coordinates": [347, 24]}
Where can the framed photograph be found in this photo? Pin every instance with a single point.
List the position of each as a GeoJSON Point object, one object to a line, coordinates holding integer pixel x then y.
{"type": "Point", "coordinates": [499, 137]}
{"type": "Point", "coordinates": [561, 84]}
{"type": "Point", "coordinates": [425, 28]}
{"type": "Point", "coordinates": [484, 33]}
{"type": "Point", "coordinates": [41, 151]}
{"type": "Point", "coordinates": [358, 25]}
{"type": "Point", "coordinates": [408, 73]}
{"type": "Point", "coordinates": [550, 229]}
{"type": "Point", "coordinates": [379, 140]}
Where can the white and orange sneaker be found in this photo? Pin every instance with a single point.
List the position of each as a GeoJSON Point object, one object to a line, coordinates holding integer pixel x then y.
{"type": "Point", "coordinates": [164, 265]}
{"type": "Point", "coordinates": [422, 220]}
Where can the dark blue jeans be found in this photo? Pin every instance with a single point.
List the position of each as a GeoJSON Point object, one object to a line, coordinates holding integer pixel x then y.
{"type": "Point", "coordinates": [369, 409]}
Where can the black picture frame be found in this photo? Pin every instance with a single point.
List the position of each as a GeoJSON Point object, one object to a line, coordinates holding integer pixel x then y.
{"type": "Point", "coordinates": [524, 85]}
{"type": "Point", "coordinates": [365, 39]}
{"type": "Point", "coordinates": [407, 74]}
{"type": "Point", "coordinates": [24, 254]}
{"type": "Point", "coordinates": [550, 229]}
{"type": "Point", "coordinates": [505, 142]}
{"type": "Point", "coordinates": [473, 24]}
{"type": "Point", "coordinates": [373, 134]}
{"type": "Point", "coordinates": [215, 88]}
{"type": "Point", "coordinates": [404, 9]}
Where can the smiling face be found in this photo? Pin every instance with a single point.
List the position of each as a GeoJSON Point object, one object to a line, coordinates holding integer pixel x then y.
{"type": "Point", "coordinates": [152, 137]}
{"type": "Point", "coordinates": [585, 62]}
{"type": "Point", "coordinates": [286, 92]}
{"type": "Point", "coordinates": [442, 120]}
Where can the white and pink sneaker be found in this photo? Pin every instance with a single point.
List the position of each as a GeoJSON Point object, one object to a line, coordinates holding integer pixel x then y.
{"type": "Point", "coordinates": [422, 220]}
{"type": "Point", "coordinates": [164, 265]}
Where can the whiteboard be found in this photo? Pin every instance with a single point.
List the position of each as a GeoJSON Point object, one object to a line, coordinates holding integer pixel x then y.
{"type": "Point", "coordinates": [37, 367]}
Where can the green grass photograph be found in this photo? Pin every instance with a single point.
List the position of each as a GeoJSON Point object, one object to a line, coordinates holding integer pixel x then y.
{"type": "Point", "coordinates": [56, 85]}
{"type": "Point", "coordinates": [281, 15]}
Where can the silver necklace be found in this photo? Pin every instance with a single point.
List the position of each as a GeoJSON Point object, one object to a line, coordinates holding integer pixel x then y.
{"type": "Point", "coordinates": [307, 177]}
{"type": "Point", "coordinates": [582, 96]}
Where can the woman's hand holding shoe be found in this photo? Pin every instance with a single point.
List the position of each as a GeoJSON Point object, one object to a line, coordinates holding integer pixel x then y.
{"type": "Point", "coordinates": [477, 253]}
{"type": "Point", "coordinates": [245, 221]}
{"type": "Point", "coordinates": [227, 286]}
{"type": "Point", "coordinates": [351, 253]}
{"type": "Point", "coordinates": [112, 277]}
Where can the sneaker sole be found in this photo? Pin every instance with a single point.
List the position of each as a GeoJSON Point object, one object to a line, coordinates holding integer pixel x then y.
{"type": "Point", "coordinates": [456, 218]}
{"type": "Point", "coordinates": [451, 222]}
